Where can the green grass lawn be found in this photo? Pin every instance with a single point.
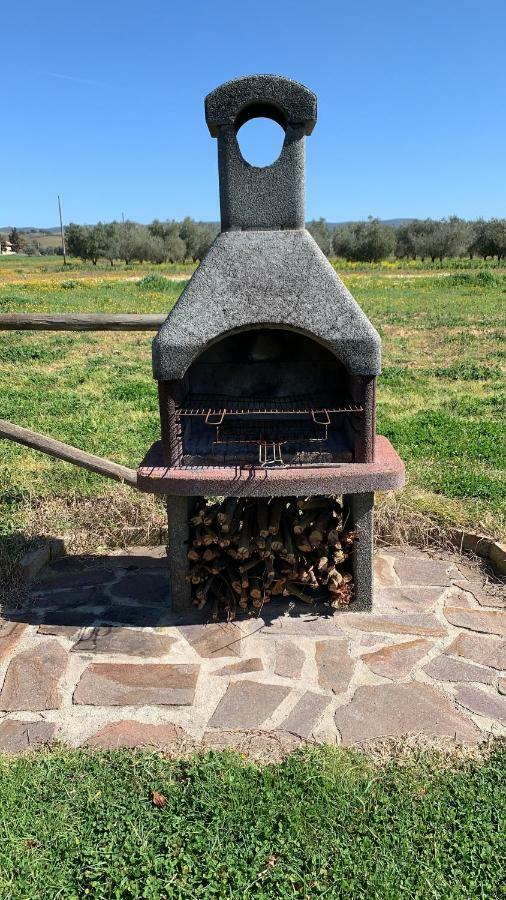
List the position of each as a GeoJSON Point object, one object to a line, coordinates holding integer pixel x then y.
{"type": "Point", "coordinates": [324, 823]}
{"type": "Point", "coordinates": [440, 398]}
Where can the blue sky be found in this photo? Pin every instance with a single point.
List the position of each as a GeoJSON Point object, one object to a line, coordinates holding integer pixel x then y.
{"type": "Point", "coordinates": [103, 103]}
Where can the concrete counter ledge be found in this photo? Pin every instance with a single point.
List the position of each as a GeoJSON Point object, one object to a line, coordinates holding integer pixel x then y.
{"type": "Point", "coordinates": [384, 474]}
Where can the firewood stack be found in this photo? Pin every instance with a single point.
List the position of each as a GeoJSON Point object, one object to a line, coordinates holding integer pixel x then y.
{"type": "Point", "coordinates": [243, 552]}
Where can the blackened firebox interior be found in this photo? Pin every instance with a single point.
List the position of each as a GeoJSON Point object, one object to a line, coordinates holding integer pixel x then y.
{"type": "Point", "coordinates": [267, 397]}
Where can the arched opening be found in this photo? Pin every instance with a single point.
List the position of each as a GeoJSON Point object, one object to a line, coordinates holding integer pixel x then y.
{"type": "Point", "coordinates": [267, 396]}
{"type": "Point", "coordinates": [260, 141]}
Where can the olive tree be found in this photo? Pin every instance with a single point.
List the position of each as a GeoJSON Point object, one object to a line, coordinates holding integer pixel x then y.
{"type": "Point", "coordinates": [319, 230]}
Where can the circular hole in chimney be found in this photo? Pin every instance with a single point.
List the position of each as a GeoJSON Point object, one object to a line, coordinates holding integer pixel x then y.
{"type": "Point", "coordinates": [260, 141]}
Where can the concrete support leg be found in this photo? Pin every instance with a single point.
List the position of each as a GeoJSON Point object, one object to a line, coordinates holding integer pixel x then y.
{"type": "Point", "coordinates": [361, 509]}
{"type": "Point", "coordinates": [178, 528]}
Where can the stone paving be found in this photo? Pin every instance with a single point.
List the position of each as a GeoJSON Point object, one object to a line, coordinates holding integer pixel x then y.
{"type": "Point", "coordinates": [95, 656]}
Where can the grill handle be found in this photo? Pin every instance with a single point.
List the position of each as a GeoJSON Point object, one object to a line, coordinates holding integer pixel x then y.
{"type": "Point", "coordinates": [215, 418]}
{"type": "Point", "coordinates": [317, 421]}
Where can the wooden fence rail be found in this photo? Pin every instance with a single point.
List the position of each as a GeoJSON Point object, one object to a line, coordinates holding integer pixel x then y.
{"type": "Point", "coordinates": [58, 449]}
{"type": "Point", "coordinates": [80, 322]}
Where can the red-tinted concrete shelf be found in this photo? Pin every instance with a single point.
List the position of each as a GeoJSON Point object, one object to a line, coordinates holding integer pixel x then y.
{"type": "Point", "coordinates": [386, 473]}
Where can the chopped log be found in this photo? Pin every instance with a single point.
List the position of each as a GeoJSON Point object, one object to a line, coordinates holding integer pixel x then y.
{"type": "Point", "coordinates": [276, 509]}
{"type": "Point", "coordinates": [278, 587]}
{"type": "Point", "coordinates": [226, 514]}
{"type": "Point", "coordinates": [269, 573]}
{"type": "Point", "coordinates": [255, 588]}
{"type": "Point", "coordinates": [210, 554]}
{"type": "Point", "coordinates": [250, 564]}
{"type": "Point", "coordinates": [303, 545]}
{"type": "Point", "coordinates": [243, 549]}
{"type": "Point", "coordinates": [323, 563]}
{"type": "Point", "coordinates": [263, 518]}
{"type": "Point", "coordinates": [307, 503]}
{"type": "Point", "coordinates": [334, 538]}
{"type": "Point", "coordinates": [288, 543]}
{"type": "Point", "coordinates": [319, 528]}
{"type": "Point", "coordinates": [243, 563]}
{"type": "Point", "coordinates": [296, 590]}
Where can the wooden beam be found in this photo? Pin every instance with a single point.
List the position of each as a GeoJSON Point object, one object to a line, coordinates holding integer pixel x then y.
{"type": "Point", "coordinates": [80, 322]}
{"type": "Point", "coordinates": [59, 450]}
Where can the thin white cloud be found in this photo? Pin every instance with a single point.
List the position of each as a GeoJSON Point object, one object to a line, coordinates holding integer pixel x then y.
{"type": "Point", "coordinates": [79, 80]}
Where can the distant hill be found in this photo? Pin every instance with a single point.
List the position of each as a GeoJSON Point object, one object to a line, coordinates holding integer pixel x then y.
{"type": "Point", "coordinates": [394, 223]}
{"type": "Point", "coordinates": [31, 229]}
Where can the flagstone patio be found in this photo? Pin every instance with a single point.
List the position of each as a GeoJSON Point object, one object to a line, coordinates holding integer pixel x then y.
{"type": "Point", "coordinates": [94, 656]}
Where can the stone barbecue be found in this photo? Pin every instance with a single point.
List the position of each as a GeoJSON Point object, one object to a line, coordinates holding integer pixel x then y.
{"type": "Point", "coordinates": [266, 365]}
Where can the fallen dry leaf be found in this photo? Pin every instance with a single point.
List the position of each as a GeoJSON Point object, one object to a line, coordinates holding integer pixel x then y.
{"type": "Point", "coordinates": [158, 799]}
{"type": "Point", "coordinates": [31, 845]}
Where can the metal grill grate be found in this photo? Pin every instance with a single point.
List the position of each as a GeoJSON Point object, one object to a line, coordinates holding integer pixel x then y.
{"type": "Point", "coordinates": [213, 406]}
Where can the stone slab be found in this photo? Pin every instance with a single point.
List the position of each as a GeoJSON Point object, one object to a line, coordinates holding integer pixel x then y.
{"type": "Point", "coordinates": [67, 598]}
{"type": "Point", "coordinates": [145, 586]}
{"type": "Point", "coordinates": [33, 561]}
{"type": "Point", "coordinates": [241, 667]}
{"type": "Point", "coordinates": [384, 571]}
{"type": "Point", "coordinates": [131, 733]}
{"type": "Point", "coordinates": [247, 704]}
{"type": "Point", "coordinates": [487, 621]}
{"type": "Point", "coordinates": [397, 660]}
{"type": "Point", "coordinates": [423, 625]}
{"type": "Point", "coordinates": [492, 706]}
{"type": "Point", "coordinates": [446, 668]}
{"type": "Point", "coordinates": [130, 641]}
{"type": "Point", "coordinates": [408, 599]}
{"type": "Point", "coordinates": [71, 572]}
{"type": "Point", "coordinates": [66, 631]}
{"type": "Point", "coordinates": [214, 640]}
{"type": "Point", "coordinates": [127, 684]}
{"type": "Point", "coordinates": [422, 570]}
{"type": "Point", "coordinates": [289, 659]}
{"type": "Point", "coordinates": [148, 616]}
{"type": "Point", "coordinates": [502, 686]}
{"type": "Point", "coordinates": [77, 618]}
{"type": "Point", "coordinates": [491, 595]}
{"type": "Point", "coordinates": [397, 710]}
{"type": "Point", "coordinates": [10, 635]}
{"type": "Point", "coordinates": [305, 715]}
{"type": "Point", "coordinates": [487, 651]}
{"type": "Point", "coordinates": [299, 622]}
{"type": "Point", "coordinates": [17, 736]}
{"type": "Point", "coordinates": [32, 679]}
{"type": "Point", "coordinates": [334, 665]}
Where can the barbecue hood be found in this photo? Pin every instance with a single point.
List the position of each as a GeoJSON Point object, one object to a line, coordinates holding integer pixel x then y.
{"type": "Point", "coordinates": [264, 270]}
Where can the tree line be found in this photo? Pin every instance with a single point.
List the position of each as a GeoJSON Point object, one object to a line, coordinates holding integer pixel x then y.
{"type": "Point", "coordinates": [369, 241]}
{"type": "Point", "coordinates": [424, 239]}
{"type": "Point", "coordinates": [158, 242]}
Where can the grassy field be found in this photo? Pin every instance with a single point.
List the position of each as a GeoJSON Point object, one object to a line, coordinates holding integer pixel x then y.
{"type": "Point", "coordinates": [21, 268]}
{"type": "Point", "coordinates": [440, 398]}
{"type": "Point", "coordinates": [324, 823]}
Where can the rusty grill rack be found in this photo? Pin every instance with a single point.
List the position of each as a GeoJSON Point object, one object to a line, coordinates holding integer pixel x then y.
{"type": "Point", "coordinates": [215, 407]}
{"type": "Point", "coordinates": [296, 427]}
{"type": "Point", "coordinates": [270, 437]}
{"type": "Point", "coordinates": [269, 432]}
